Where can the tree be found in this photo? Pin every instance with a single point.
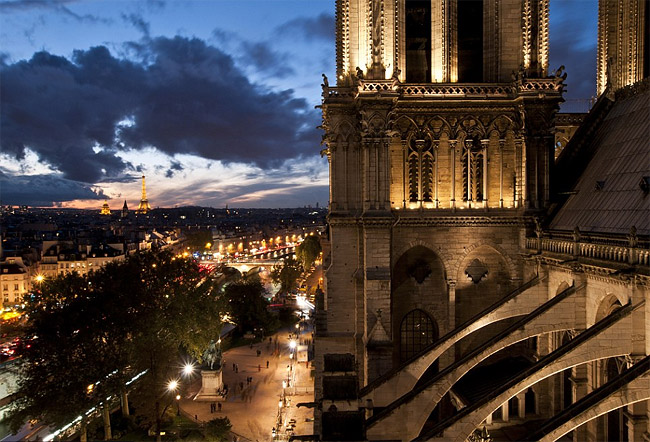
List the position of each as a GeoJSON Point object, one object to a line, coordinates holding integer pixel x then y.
{"type": "Point", "coordinates": [309, 250]}
{"type": "Point", "coordinates": [218, 429]}
{"type": "Point", "coordinates": [248, 306]}
{"type": "Point", "coordinates": [198, 239]}
{"type": "Point", "coordinates": [286, 274]}
{"type": "Point", "coordinates": [66, 359]}
{"type": "Point", "coordinates": [127, 318]}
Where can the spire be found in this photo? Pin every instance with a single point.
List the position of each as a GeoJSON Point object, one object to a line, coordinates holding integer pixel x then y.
{"type": "Point", "coordinates": [144, 206]}
{"type": "Point", "coordinates": [125, 210]}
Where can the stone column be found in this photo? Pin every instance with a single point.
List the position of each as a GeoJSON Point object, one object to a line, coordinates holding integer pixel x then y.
{"type": "Point", "coordinates": [451, 285]}
{"type": "Point", "coordinates": [405, 176]}
{"type": "Point", "coordinates": [452, 147]}
{"type": "Point", "coordinates": [580, 389]}
{"type": "Point", "coordinates": [484, 146]}
{"type": "Point", "coordinates": [505, 411]}
{"type": "Point", "coordinates": [365, 145]}
{"type": "Point", "coordinates": [469, 177]}
{"type": "Point", "coordinates": [332, 177]}
{"type": "Point", "coordinates": [436, 145]}
{"type": "Point", "coordinates": [638, 424]}
{"type": "Point", "coordinates": [502, 143]}
{"type": "Point", "coordinates": [521, 405]}
{"type": "Point", "coordinates": [419, 144]}
{"type": "Point", "coordinates": [346, 185]}
{"type": "Point", "coordinates": [522, 192]}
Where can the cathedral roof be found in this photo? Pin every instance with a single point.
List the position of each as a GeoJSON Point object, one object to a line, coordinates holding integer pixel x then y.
{"type": "Point", "coordinates": [611, 194]}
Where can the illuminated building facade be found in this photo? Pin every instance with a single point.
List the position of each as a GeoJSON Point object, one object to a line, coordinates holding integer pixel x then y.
{"type": "Point", "coordinates": [105, 210]}
{"type": "Point", "coordinates": [443, 263]}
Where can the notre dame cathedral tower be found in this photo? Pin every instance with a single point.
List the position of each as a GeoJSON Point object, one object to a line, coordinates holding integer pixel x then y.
{"type": "Point", "coordinates": [439, 135]}
{"type": "Point", "coordinates": [439, 138]}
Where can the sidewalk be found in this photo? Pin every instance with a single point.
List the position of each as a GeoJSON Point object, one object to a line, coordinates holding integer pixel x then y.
{"type": "Point", "coordinates": [253, 409]}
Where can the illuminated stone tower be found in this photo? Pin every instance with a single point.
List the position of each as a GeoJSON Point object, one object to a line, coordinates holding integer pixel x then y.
{"type": "Point", "coordinates": [623, 43]}
{"type": "Point", "coordinates": [440, 144]}
{"type": "Point", "coordinates": [144, 206]}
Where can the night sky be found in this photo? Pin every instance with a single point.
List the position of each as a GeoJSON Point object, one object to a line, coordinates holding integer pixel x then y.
{"type": "Point", "coordinates": [212, 100]}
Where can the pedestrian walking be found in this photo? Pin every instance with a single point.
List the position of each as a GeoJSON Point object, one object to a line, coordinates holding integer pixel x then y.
{"type": "Point", "coordinates": [236, 368]}
{"type": "Point", "coordinates": [233, 366]}
{"type": "Point", "coordinates": [219, 406]}
{"type": "Point", "coordinates": [267, 364]}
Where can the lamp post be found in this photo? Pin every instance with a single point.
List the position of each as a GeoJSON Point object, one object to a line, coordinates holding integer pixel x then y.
{"type": "Point", "coordinates": [178, 405]}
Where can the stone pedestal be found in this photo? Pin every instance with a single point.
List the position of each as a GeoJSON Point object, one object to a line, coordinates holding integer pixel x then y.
{"type": "Point", "coordinates": [211, 386]}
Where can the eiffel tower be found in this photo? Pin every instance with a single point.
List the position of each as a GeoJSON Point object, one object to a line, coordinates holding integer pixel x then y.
{"type": "Point", "coordinates": [144, 206]}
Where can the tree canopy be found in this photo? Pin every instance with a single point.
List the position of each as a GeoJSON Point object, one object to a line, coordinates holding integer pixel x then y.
{"type": "Point", "coordinates": [309, 250]}
{"type": "Point", "coordinates": [98, 331]}
{"type": "Point", "coordinates": [248, 306]}
{"type": "Point", "coordinates": [286, 274]}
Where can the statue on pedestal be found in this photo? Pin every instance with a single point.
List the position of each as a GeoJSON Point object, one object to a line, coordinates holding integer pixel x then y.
{"type": "Point", "coordinates": [212, 356]}
{"type": "Point", "coordinates": [211, 373]}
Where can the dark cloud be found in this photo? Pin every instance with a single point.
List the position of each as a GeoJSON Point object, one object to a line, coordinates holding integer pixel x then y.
{"type": "Point", "coordinates": [573, 42]}
{"type": "Point", "coordinates": [184, 97]}
{"type": "Point", "coordinates": [265, 59]}
{"type": "Point", "coordinates": [59, 6]}
{"type": "Point", "coordinates": [44, 190]}
{"type": "Point", "coordinates": [8, 6]}
{"type": "Point", "coordinates": [309, 28]}
{"type": "Point", "coordinates": [174, 167]}
{"type": "Point", "coordinates": [138, 23]}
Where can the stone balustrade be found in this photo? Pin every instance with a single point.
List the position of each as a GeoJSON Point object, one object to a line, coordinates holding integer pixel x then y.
{"type": "Point", "coordinates": [445, 90]}
{"type": "Point", "coordinates": [602, 248]}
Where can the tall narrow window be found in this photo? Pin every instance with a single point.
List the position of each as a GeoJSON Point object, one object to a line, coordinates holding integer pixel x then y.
{"type": "Point", "coordinates": [470, 41]}
{"type": "Point", "coordinates": [473, 174]}
{"type": "Point", "coordinates": [417, 331]}
{"type": "Point", "coordinates": [418, 41]}
{"type": "Point", "coordinates": [421, 162]}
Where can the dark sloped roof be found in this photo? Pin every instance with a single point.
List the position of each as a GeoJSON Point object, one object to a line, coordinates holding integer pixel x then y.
{"type": "Point", "coordinates": [608, 197]}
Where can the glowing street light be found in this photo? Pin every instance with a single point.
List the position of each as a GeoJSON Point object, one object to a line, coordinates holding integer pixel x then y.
{"type": "Point", "coordinates": [292, 344]}
{"type": "Point", "coordinates": [188, 369]}
{"type": "Point", "coordinates": [39, 278]}
{"type": "Point", "coordinates": [172, 385]}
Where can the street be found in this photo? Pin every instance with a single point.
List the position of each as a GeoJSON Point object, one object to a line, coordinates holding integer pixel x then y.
{"type": "Point", "coordinates": [255, 409]}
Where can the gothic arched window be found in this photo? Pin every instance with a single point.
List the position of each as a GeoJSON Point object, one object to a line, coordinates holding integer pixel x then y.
{"type": "Point", "coordinates": [417, 331]}
{"type": "Point", "coordinates": [421, 161]}
{"type": "Point", "coordinates": [473, 173]}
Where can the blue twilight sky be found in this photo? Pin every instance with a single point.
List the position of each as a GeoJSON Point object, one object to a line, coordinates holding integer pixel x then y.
{"type": "Point", "coordinates": [212, 100]}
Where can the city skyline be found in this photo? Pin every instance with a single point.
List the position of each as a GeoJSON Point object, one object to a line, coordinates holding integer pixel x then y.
{"type": "Point", "coordinates": [212, 101]}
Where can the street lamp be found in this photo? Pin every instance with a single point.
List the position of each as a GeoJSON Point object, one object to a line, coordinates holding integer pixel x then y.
{"type": "Point", "coordinates": [188, 369]}
{"type": "Point", "coordinates": [172, 385]}
{"type": "Point", "coordinates": [292, 344]}
{"type": "Point", "coordinates": [178, 405]}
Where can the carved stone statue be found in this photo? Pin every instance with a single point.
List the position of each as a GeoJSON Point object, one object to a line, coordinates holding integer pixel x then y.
{"type": "Point", "coordinates": [212, 356]}
{"type": "Point", "coordinates": [326, 82]}
{"type": "Point", "coordinates": [359, 73]}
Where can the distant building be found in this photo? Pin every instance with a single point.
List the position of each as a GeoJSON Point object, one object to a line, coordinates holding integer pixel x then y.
{"type": "Point", "coordinates": [15, 280]}
{"type": "Point", "coordinates": [105, 209]}
{"type": "Point", "coordinates": [125, 211]}
{"type": "Point", "coordinates": [63, 257]}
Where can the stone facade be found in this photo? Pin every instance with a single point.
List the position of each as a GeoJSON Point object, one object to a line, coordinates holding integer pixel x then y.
{"type": "Point", "coordinates": [437, 186]}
